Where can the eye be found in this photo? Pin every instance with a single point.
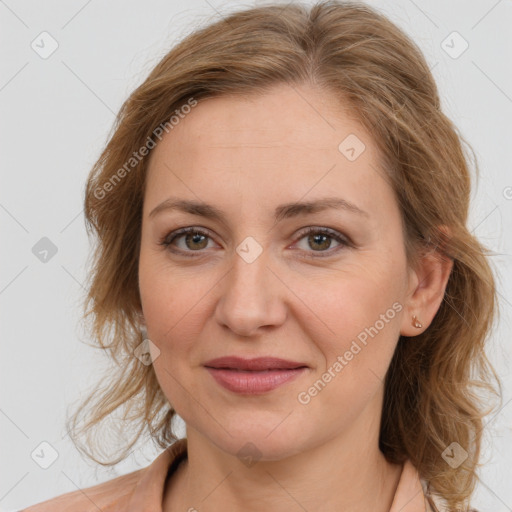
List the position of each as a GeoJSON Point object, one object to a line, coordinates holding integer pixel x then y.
{"type": "Point", "coordinates": [319, 239]}
{"type": "Point", "coordinates": [194, 239]}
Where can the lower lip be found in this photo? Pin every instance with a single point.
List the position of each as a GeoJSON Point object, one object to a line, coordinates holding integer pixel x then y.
{"type": "Point", "coordinates": [253, 383]}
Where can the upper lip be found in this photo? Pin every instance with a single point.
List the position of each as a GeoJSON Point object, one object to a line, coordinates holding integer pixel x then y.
{"type": "Point", "coordinates": [258, 363]}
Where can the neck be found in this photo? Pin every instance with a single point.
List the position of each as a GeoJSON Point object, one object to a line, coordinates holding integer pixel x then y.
{"type": "Point", "coordinates": [347, 473]}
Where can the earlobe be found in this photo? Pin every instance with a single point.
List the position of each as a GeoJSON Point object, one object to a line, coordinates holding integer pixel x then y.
{"type": "Point", "coordinates": [140, 318]}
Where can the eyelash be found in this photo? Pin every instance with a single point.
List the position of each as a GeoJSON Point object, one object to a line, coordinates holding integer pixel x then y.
{"type": "Point", "coordinates": [167, 240]}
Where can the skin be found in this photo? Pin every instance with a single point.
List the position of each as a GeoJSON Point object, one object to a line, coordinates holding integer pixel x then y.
{"type": "Point", "coordinates": [246, 157]}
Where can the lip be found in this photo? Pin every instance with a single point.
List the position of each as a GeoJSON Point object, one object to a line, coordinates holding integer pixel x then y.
{"type": "Point", "coordinates": [253, 382]}
{"type": "Point", "coordinates": [253, 376]}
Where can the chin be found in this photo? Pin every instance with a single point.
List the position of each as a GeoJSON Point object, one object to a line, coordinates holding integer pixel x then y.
{"type": "Point", "coordinates": [259, 441]}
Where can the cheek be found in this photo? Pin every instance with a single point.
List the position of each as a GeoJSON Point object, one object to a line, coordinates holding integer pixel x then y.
{"type": "Point", "coordinates": [170, 308]}
{"type": "Point", "coordinates": [165, 290]}
{"type": "Point", "coordinates": [357, 316]}
{"type": "Point", "coordinates": [173, 301]}
{"type": "Point", "coordinates": [357, 337]}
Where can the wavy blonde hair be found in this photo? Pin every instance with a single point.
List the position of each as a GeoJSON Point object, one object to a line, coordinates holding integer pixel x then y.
{"type": "Point", "coordinates": [348, 49]}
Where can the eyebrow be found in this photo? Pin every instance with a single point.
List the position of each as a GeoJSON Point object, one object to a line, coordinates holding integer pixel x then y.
{"type": "Point", "coordinates": [284, 211]}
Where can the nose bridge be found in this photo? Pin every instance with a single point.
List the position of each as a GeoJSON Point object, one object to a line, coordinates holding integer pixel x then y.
{"type": "Point", "coordinates": [250, 265]}
{"type": "Point", "coordinates": [250, 296]}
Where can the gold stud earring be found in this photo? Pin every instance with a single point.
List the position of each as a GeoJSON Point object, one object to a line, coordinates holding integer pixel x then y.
{"type": "Point", "coordinates": [416, 322]}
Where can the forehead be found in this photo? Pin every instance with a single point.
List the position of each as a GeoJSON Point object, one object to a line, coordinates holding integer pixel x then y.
{"type": "Point", "coordinates": [290, 139]}
{"type": "Point", "coordinates": [284, 115]}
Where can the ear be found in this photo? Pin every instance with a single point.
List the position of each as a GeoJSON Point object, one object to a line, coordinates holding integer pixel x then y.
{"type": "Point", "coordinates": [427, 284]}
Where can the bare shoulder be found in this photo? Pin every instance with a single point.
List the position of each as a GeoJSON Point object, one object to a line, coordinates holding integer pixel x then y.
{"type": "Point", "coordinates": [110, 496]}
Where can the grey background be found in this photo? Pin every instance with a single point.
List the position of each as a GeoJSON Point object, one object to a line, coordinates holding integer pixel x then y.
{"type": "Point", "coordinates": [56, 114]}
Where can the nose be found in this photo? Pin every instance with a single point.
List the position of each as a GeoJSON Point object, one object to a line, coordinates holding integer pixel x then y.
{"type": "Point", "coordinates": [252, 296]}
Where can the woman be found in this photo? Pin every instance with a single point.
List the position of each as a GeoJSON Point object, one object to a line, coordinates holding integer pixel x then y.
{"type": "Point", "coordinates": [284, 262]}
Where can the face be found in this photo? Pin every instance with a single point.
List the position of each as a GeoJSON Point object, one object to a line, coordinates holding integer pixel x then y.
{"type": "Point", "coordinates": [250, 283]}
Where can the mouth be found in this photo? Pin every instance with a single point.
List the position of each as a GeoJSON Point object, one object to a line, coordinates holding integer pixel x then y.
{"type": "Point", "coordinates": [258, 364]}
{"type": "Point", "coordinates": [253, 376]}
